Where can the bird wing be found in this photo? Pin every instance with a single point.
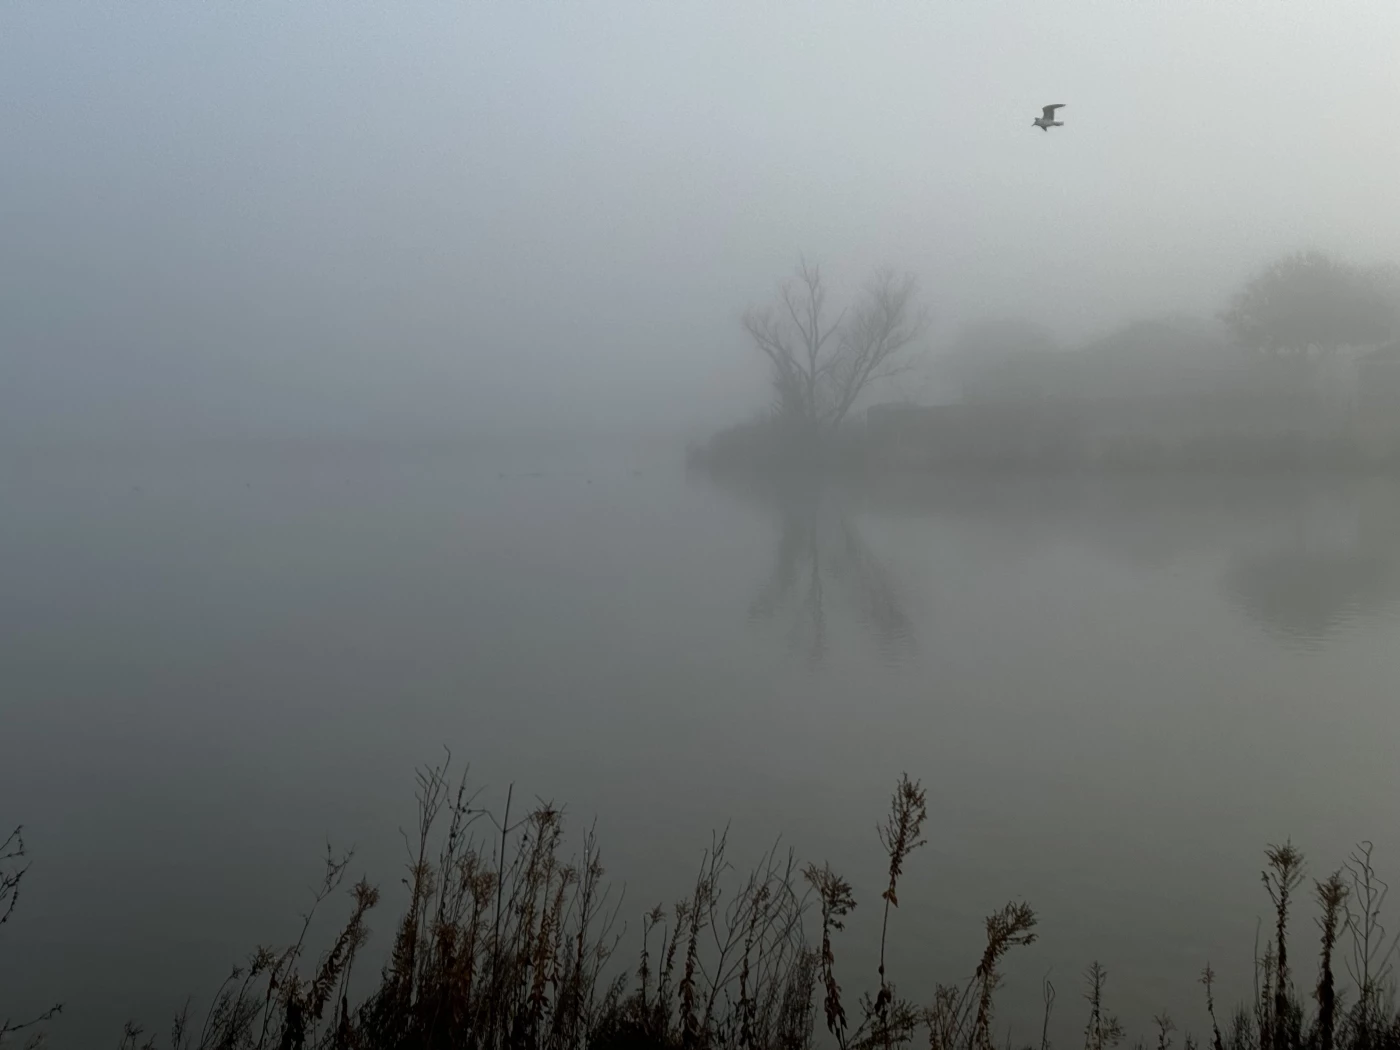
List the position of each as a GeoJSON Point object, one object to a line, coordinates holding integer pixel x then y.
{"type": "Point", "coordinates": [1049, 111]}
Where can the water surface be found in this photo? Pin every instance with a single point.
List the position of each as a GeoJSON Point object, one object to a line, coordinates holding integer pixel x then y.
{"type": "Point", "coordinates": [1116, 692]}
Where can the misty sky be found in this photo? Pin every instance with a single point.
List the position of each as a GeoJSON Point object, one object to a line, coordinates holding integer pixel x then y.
{"type": "Point", "coordinates": [247, 216]}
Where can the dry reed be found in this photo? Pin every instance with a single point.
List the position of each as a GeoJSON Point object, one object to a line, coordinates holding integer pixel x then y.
{"type": "Point", "coordinates": [508, 943]}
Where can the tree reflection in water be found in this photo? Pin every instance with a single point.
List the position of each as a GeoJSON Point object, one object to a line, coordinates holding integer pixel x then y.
{"type": "Point", "coordinates": [1304, 595]}
{"type": "Point", "coordinates": [1306, 590]}
{"type": "Point", "coordinates": [821, 558]}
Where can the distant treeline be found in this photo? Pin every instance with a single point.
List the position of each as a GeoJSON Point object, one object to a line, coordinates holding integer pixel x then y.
{"type": "Point", "coordinates": [986, 440]}
{"type": "Point", "coordinates": [1301, 371]}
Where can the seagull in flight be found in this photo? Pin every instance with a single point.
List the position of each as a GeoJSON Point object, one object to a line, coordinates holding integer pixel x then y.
{"type": "Point", "coordinates": [1047, 120]}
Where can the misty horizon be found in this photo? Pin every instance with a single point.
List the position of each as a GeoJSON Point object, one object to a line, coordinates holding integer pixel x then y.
{"type": "Point", "coordinates": [482, 217]}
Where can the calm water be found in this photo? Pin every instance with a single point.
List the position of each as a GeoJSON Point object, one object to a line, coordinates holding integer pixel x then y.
{"type": "Point", "coordinates": [1116, 693]}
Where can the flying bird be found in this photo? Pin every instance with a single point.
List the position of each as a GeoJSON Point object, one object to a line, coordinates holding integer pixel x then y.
{"type": "Point", "coordinates": [1047, 120]}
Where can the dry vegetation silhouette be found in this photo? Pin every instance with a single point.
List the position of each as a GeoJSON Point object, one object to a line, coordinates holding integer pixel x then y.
{"type": "Point", "coordinates": [506, 942]}
{"type": "Point", "coordinates": [13, 868]}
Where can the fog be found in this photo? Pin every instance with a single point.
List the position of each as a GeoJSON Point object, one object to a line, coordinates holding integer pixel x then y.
{"type": "Point", "coordinates": [326, 217]}
{"type": "Point", "coordinates": [380, 377]}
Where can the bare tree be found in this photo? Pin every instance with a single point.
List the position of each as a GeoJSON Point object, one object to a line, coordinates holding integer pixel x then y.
{"type": "Point", "coordinates": [822, 364]}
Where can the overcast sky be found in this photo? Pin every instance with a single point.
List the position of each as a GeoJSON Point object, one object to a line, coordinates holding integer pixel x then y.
{"type": "Point", "coordinates": [249, 215]}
